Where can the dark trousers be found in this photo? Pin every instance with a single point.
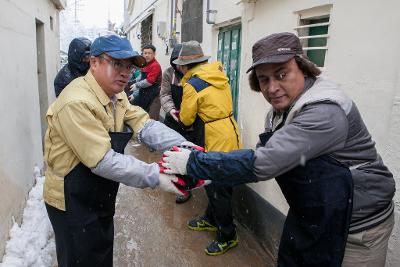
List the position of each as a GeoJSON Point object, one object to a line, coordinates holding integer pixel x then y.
{"type": "Point", "coordinates": [58, 218]}
{"type": "Point", "coordinates": [219, 211]}
{"type": "Point", "coordinates": [72, 242]}
{"type": "Point", "coordinates": [147, 96]}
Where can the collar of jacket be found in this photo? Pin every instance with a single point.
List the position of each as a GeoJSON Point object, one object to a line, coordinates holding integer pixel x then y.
{"type": "Point", "coordinates": [150, 65]}
{"type": "Point", "coordinates": [191, 72]}
{"type": "Point", "coordinates": [98, 91]}
{"type": "Point", "coordinates": [320, 90]}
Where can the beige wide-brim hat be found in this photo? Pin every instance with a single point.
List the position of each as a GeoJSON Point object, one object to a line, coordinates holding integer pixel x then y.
{"type": "Point", "coordinates": [191, 52]}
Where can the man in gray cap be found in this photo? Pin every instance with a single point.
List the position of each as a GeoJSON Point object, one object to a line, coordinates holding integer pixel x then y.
{"type": "Point", "coordinates": [317, 147]}
{"type": "Point", "coordinates": [207, 105]}
{"type": "Point", "coordinates": [84, 146]}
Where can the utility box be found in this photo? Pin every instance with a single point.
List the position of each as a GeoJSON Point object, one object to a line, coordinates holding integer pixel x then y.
{"type": "Point", "coordinates": [162, 29]}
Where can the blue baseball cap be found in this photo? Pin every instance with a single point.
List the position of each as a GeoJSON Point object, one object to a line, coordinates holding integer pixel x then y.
{"type": "Point", "coordinates": [116, 47]}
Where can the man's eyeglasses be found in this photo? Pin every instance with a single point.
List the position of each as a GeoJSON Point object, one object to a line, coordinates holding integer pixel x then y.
{"type": "Point", "coordinates": [119, 65]}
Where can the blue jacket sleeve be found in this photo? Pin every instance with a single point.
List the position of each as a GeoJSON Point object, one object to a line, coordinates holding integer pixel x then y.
{"type": "Point", "coordinates": [223, 168]}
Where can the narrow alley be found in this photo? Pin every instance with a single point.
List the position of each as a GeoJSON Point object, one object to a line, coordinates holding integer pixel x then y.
{"type": "Point", "coordinates": [150, 230]}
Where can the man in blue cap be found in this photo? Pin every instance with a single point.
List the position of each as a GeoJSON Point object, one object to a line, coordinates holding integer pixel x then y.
{"type": "Point", "coordinates": [84, 147]}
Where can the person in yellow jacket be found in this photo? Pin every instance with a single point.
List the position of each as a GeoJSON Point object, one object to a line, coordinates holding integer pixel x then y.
{"type": "Point", "coordinates": [84, 146]}
{"type": "Point", "coordinates": [207, 105]}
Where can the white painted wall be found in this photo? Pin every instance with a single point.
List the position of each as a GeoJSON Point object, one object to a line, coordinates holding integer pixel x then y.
{"type": "Point", "coordinates": [20, 136]}
{"type": "Point", "coordinates": [161, 13]}
{"type": "Point", "coordinates": [363, 56]}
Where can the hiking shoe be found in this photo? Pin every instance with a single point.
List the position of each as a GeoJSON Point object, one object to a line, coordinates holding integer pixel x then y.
{"type": "Point", "coordinates": [216, 248]}
{"type": "Point", "coordinates": [201, 224]}
{"type": "Point", "coordinates": [182, 199]}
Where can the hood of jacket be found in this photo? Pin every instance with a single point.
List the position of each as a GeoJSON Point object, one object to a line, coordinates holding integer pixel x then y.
{"type": "Point", "coordinates": [78, 48]}
{"type": "Point", "coordinates": [213, 73]}
{"type": "Point", "coordinates": [175, 55]}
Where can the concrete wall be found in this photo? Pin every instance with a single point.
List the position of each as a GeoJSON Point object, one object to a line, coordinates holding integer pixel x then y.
{"type": "Point", "coordinates": [22, 101]}
{"type": "Point", "coordinates": [362, 56]}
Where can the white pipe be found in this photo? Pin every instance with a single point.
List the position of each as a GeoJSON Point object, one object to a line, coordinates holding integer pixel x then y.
{"type": "Point", "coordinates": [209, 12]}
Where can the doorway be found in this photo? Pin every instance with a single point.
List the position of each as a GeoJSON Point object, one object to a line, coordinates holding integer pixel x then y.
{"type": "Point", "coordinates": [42, 75]}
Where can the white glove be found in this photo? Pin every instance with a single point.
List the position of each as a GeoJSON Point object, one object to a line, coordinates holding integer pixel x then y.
{"type": "Point", "coordinates": [187, 143]}
{"type": "Point", "coordinates": [176, 161]}
{"type": "Point", "coordinates": [166, 183]}
{"type": "Point", "coordinates": [134, 88]}
{"type": "Point", "coordinates": [173, 112]}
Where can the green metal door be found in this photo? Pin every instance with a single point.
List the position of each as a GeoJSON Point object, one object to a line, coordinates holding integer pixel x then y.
{"type": "Point", "coordinates": [229, 55]}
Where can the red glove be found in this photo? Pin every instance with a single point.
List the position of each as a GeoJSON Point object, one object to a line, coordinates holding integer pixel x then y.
{"type": "Point", "coordinates": [185, 182]}
{"type": "Point", "coordinates": [178, 183]}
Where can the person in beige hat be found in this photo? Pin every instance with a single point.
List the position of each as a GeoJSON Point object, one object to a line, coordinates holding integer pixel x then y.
{"type": "Point", "coordinates": [320, 152]}
{"type": "Point", "coordinates": [207, 105]}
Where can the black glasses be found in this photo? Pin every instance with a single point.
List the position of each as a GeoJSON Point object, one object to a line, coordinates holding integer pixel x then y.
{"type": "Point", "coordinates": [119, 65]}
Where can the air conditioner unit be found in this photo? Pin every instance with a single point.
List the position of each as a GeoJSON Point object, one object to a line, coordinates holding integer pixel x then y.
{"type": "Point", "coordinates": [162, 29]}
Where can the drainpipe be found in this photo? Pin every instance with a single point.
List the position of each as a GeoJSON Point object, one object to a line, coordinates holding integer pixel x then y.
{"type": "Point", "coordinates": [175, 11]}
{"type": "Point", "coordinates": [171, 25]}
{"type": "Point", "coordinates": [172, 30]}
{"type": "Point", "coordinates": [211, 14]}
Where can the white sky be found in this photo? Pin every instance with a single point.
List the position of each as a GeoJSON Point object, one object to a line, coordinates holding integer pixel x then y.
{"type": "Point", "coordinates": [97, 12]}
{"type": "Point", "coordinates": [92, 16]}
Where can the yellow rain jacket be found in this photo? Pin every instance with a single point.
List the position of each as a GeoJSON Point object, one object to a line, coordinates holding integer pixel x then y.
{"type": "Point", "coordinates": [213, 104]}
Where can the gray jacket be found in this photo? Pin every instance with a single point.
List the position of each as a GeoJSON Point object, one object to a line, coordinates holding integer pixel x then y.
{"type": "Point", "coordinates": [168, 78]}
{"type": "Point", "coordinates": [325, 121]}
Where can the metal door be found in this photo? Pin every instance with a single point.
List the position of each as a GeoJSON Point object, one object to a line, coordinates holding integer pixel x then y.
{"type": "Point", "coordinates": [229, 55]}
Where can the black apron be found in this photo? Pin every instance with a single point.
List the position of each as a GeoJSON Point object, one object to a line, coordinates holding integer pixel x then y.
{"type": "Point", "coordinates": [147, 95]}
{"type": "Point", "coordinates": [90, 205]}
{"type": "Point", "coordinates": [320, 196]}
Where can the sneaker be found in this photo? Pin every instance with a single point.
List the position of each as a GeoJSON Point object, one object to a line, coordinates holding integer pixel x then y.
{"type": "Point", "coordinates": [216, 248]}
{"type": "Point", "coordinates": [182, 199]}
{"type": "Point", "coordinates": [201, 224]}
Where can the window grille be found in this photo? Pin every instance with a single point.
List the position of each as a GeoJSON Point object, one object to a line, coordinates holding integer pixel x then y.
{"type": "Point", "coordinates": [313, 35]}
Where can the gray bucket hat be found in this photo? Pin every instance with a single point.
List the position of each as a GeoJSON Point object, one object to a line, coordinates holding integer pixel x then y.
{"type": "Point", "coordinates": [191, 52]}
{"type": "Point", "coordinates": [276, 48]}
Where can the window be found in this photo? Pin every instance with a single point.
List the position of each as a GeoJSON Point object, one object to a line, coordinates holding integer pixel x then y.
{"type": "Point", "coordinates": [313, 33]}
{"type": "Point", "coordinates": [146, 31]}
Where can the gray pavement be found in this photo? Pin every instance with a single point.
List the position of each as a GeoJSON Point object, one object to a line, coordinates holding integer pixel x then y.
{"type": "Point", "coordinates": [150, 230]}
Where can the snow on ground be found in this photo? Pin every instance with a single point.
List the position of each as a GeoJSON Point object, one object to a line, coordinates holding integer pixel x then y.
{"type": "Point", "coordinates": [31, 244]}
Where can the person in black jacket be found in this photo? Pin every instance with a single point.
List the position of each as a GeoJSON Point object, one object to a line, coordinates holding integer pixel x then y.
{"type": "Point", "coordinates": [78, 63]}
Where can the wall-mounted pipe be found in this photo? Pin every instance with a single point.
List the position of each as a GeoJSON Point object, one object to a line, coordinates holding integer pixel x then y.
{"type": "Point", "coordinates": [171, 25]}
{"type": "Point", "coordinates": [172, 33]}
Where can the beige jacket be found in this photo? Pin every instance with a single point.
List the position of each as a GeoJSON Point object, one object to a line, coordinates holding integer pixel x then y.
{"type": "Point", "coordinates": [78, 125]}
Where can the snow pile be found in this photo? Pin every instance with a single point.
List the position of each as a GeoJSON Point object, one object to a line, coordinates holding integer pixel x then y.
{"type": "Point", "coordinates": [32, 243]}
